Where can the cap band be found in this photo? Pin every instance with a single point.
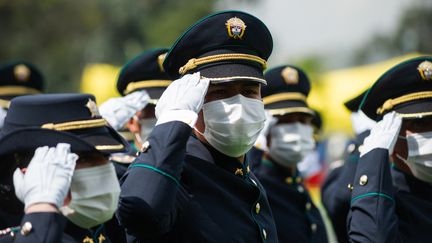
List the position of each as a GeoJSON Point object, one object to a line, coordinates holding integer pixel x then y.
{"type": "Point", "coordinates": [109, 147]}
{"type": "Point", "coordinates": [145, 84]}
{"type": "Point", "coordinates": [283, 97]}
{"type": "Point", "coordinates": [65, 126]}
{"type": "Point", "coordinates": [390, 103]}
{"type": "Point", "coordinates": [195, 62]}
{"type": "Point", "coordinates": [17, 90]}
{"type": "Point", "coordinates": [283, 111]}
{"type": "Point", "coordinates": [4, 103]}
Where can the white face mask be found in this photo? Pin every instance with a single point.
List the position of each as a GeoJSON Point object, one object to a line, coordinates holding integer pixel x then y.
{"type": "Point", "coordinates": [232, 125]}
{"type": "Point", "coordinates": [95, 193]}
{"type": "Point", "coordinates": [290, 143]}
{"type": "Point", "coordinates": [147, 126]}
{"type": "Point", "coordinates": [419, 155]}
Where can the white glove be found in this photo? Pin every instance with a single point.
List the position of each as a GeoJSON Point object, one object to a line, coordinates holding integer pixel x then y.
{"type": "Point", "coordinates": [117, 111]}
{"type": "Point", "coordinates": [3, 113]}
{"type": "Point", "coordinates": [384, 134]}
{"type": "Point", "coordinates": [48, 176]}
{"type": "Point", "coordinates": [182, 100]}
{"type": "Point", "coordinates": [261, 141]}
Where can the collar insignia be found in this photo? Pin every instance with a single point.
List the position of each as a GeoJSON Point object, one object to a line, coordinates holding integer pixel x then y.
{"type": "Point", "coordinates": [425, 70]}
{"type": "Point", "coordinates": [235, 27]}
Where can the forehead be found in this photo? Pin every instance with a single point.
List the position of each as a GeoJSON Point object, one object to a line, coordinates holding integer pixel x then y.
{"type": "Point", "coordinates": [290, 117]}
{"type": "Point", "coordinates": [238, 83]}
{"type": "Point", "coordinates": [418, 124]}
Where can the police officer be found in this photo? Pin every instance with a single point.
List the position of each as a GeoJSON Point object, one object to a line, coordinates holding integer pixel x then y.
{"type": "Point", "coordinates": [141, 82]}
{"type": "Point", "coordinates": [336, 190]}
{"type": "Point", "coordinates": [289, 140]}
{"type": "Point", "coordinates": [46, 181]}
{"type": "Point", "coordinates": [16, 78]}
{"type": "Point", "coordinates": [391, 199]}
{"type": "Point", "coordinates": [192, 182]}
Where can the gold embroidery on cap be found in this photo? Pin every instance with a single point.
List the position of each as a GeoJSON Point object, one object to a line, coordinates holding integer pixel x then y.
{"type": "Point", "coordinates": [161, 59]}
{"type": "Point", "coordinates": [290, 75]}
{"type": "Point", "coordinates": [22, 73]}
{"type": "Point", "coordinates": [235, 27]}
{"type": "Point", "coordinates": [425, 70]}
{"type": "Point", "coordinates": [91, 105]}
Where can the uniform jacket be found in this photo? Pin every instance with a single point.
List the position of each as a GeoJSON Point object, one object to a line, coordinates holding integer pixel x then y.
{"type": "Point", "coordinates": [388, 205]}
{"type": "Point", "coordinates": [336, 192]}
{"type": "Point", "coordinates": [180, 190]}
{"type": "Point", "coordinates": [53, 228]}
{"type": "Point", "coordinates": [297, 218]}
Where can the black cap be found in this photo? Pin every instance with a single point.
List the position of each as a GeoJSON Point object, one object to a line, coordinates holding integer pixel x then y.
{"type": "Point", "coordinates": [145, 71]}
{"type": "Point", "coordinates": [47, 119]}
{"type": "Point", "coordinates": [19, 78]}
{"type": "Point", "coordinates": [287, 90]}
{"type": "Point", "coordinates": [354, 104]}
{"type": "Point", "coordinates": [405, 88]}
{"type": "Point", "coordinates": [225, 46]}
{"type": "Point", "coordinates": [317, 122]}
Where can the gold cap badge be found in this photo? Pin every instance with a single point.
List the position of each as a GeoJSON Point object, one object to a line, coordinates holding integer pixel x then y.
{"type": "Point", "coordinates": [22, 72]}
{"type": "Point", "coordinates": [91, 105]}
{"type": "Point", "coordinates": [161, 59]}
{"type": "Point", "coordinates": [290, 75]}
{"type": "Point", "coordinates": [235, 27]}
{"type": "Point", "coordinates": [425, 70]}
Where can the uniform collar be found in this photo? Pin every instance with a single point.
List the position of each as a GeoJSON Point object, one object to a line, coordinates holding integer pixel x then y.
{"type": "Point", "coordinates": [269, 168]}
{"type": "Point", "coordinates": [408, 183]}
{"type": "Point", "coordinates": [203, 151]}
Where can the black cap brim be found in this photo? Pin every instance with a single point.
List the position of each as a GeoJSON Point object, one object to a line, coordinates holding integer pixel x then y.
{"type": "Point", "coordinates": [28, 139]}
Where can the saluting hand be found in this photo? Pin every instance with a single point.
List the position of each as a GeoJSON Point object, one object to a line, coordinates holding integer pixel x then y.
{"type": "Point", "coordinates": [48, 176]}
{"type": "Point", "coordinates": [117, 111]}
{"type": "Point", "coordinates": [182, 100]}
{"type": "Point", "coordinates": [384, 134]}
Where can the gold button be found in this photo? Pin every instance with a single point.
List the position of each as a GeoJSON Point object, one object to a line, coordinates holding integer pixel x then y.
{"type": "Point", "coordinates": [298, 180]}
{"type": "Point", "coordinates": [264, 232]}
{"type": "Point", "coordinates": [26, 228]}
{"type": "Point", "coordinates": [300, 189]}
{"type": "Point", "coordinates": [363, 180]}
{"type": "Point", "coordinates": [350, 187]}
{"type": "Point", "coordinates": [145, 146]}
{"type": "Point", "coordinates": [289, 180]}
{"type": "Point", "coordinates": [257, 208]}
{"type": "Point", "coordinates": [308, 206]}
{"type": "Point", "coordinates": [314, 228]}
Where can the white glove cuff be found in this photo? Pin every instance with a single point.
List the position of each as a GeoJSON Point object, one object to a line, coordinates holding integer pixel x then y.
{"type": "Point", "coordinates": [187, 116]}
{"type": "Point", "coordinates": [42, 198]}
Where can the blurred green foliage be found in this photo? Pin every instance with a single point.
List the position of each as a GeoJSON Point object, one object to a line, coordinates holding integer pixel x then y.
{"type": "Point", "coordinates": [61, 37]}
{"type": "Point", "coordinates": [413, 34]}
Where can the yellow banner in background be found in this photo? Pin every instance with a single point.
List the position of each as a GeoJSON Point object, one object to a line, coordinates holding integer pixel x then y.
{"type": "Point", "coordinates": [328, 93]}
{"type": "Point", "coordinates": [334, 88]}
{"type": "Point", "coordinates": [100, 80]}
